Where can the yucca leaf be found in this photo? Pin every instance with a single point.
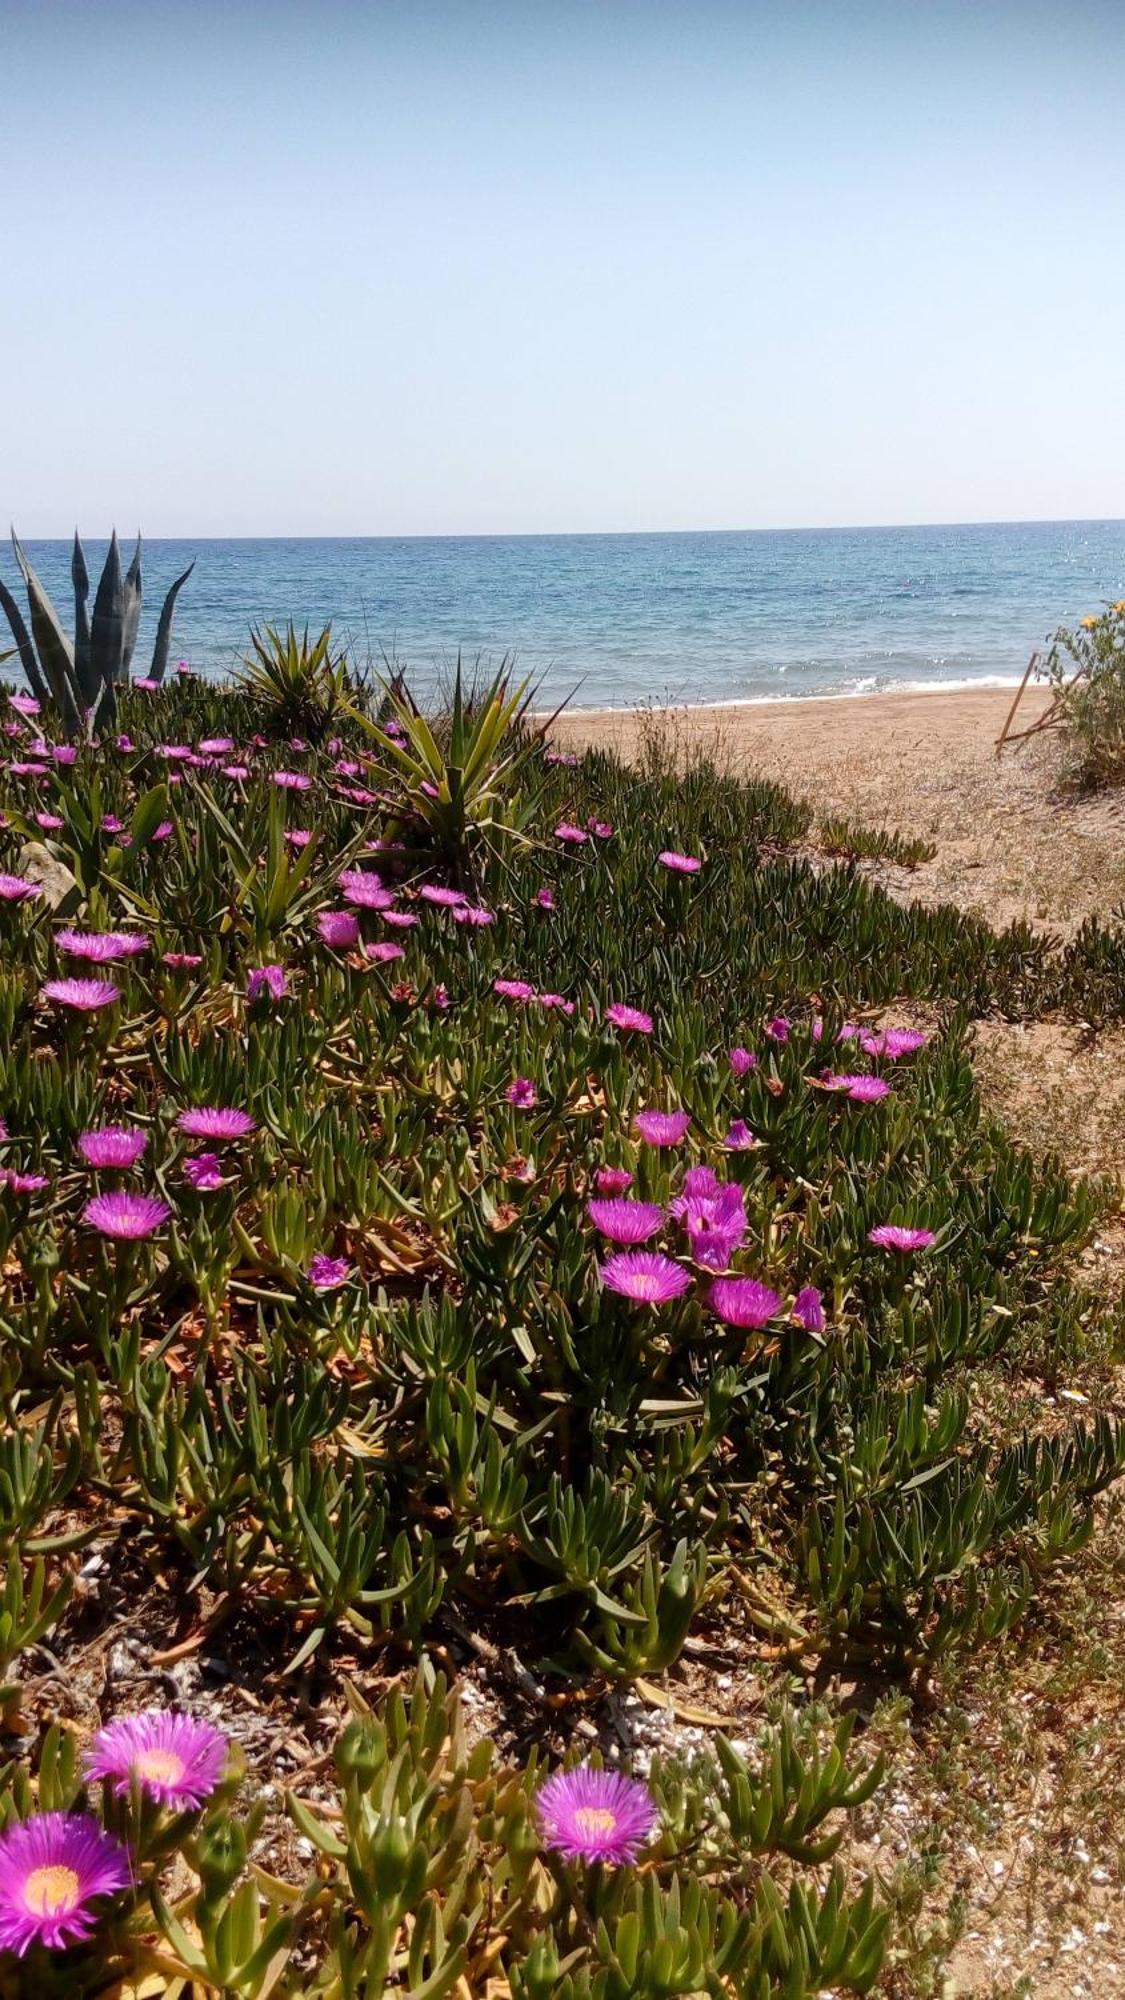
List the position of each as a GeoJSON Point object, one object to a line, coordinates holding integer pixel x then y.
{"type": "Point", "coordinates": [133, 594]}
{"type": "Point", "coordinates": [164, 630]}
{"type": "Point", "coordinates": [80, 577]}
{"type": "Point", "coordinates": [24, 647]}
{"type": "Point", "coordinates": [52, 645]}
{"type": "Point", "coordinates": [107, 630]}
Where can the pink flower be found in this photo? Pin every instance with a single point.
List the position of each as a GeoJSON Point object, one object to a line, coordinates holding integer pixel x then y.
{"type": "Point", "coordinates": [298, 836]}
{"type": "Point", "coordinates": [680, 864]}
{"type": "Point", "coordinates": [522, 1094]}
{"type": "Point", "coordinates": [888, 1236]}
{"type": "Point", "coordinates": [808, 1309]}
{"type": "Point", "coordinates": [472, 913]}
{"type": "Point", "coordinates": [53, 1867]}
{"type": "Point", "coordinates": [894, 1042]}
{"type": "Point", "coordinates": [626, 1221]}
{"type": "Point", "coordinates": [338, 927]}
{"type": "Point", "coordinates": [365, 890]}
{"type": "Point", "coordinates": [85, 995]}
{"type": "Point", "coordinates": [203, 1172]}
{"type": "Point", "coordinates": [545, 898]}
{"type": "Point", "coordinates": [401, 919]}
{"type": "Point", "coordinates": [714, 1216]}
{"type": "Point", "coordinates": [24, 704]}
{"type": "Point", "coordinates": [612, 1180]}
{"type": "Point", "coordinates": [269, 979]}
{"type": "Point", "coordinates": [14, 889]}
{"type": "Point", "coordinates": [573, 834]}
{"type": "Point", "coordinates": [327, 1274]}
{"type": "Point", "coordinates": [23, 1183]}
{"type": "Point", "coordinates": [513, 989]}
{"type": "Point", "coordinates": [740, 1138]}
{"type": "Point", "coordinates": [125, 1215]}
{"type": "Point", "coordinates": [743, 1301]}
{"type": "Point", "coordinates": [443, 898]}
{"type": "Point", "coordinates": [112, 1146]}
{"type": "Point", "coordinates": [384, 952]}
{"type": "Point", "coordinates": [50, 822]}
{"type": "Point", "coordinates": [216, 746]}
{"type": "Point", "coordinates": [860, 1089]}
{"type": "Point", "coordinates": [646, 1276]}
{"type": "Point", "coordinates": [557, 1001]}
{"type": "Point", "coordinates": [629, 1018]}
{"type": "Point", "coordinates": [778, 1028]}
{"type": "Point", "coordinates": [591, 1815]}
{"type": "Point", "coordinates": [101, 946]}
{"type": "Point", "coordinates": [662, 1128]}
{"type": "Point", "coordinates": [292, 781]}
{"type": "Point", "coordinates": [175, 1759]}
{"type": "Point", "coordinates": [600, 829]}
{"type": "Point", "coordinates": [741, 1060]}
{"type": "Point", "coordinates": [182, 961]}
{"type": "Point", "coordinates": [216, 1121]}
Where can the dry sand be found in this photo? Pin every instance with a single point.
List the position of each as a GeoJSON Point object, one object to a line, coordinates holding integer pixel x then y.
{"type": "Point", "coordinates": [1010, 842]}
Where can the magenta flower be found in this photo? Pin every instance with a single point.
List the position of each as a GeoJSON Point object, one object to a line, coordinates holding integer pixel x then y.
{"type": "Point", "coordinates": [85, 995]}
{"type": "Point", "coordinates": [545, 898]}
{"type": "Point", "coordinates": [14, 889]}
{"type": "Point", "coordinates": [894, 1042]}
{"type": "Point", "coordinates": [19, 1183]}
{"type": "Point", "coordinates": [327, 1274]}
{"type": "Point", "coordinates": [203, 1172]}
{"type": "Point", "coordinates": [513, 989]}
{"type": "Point", "coordinates": [714, 1216]}
{"type": "Point", "coordinates": [740, 1138]}
{"type": "Point", "coordinates": [472, 913]}
{"type": "Point", "coordinates": [778, 1028]}
{"type": "Point", "coordinates": [742, 1060]}
{"type": "Point", "coordinates": [560, 757]}
{"type": "Point", "coordinates": [443, 898]}
{"type": "Point", "coordinates": [216, 746]}
{"type": "Point", "coordinates": [338, 927]}
{"type": "Point", "coordinates": [238, 773]}
{"type": "Point", "coordinates": [401, 919]}
{"type": "Point", "coordinates": [124, 1215]}
{"type": "Point", "coordinates": [629, 1018]}
{"type": "Point", "coordinates": [182, 961]}
{"type": "Point", "coordinates": [216, 1121]}
{"type": "Point", "coordinates": [522, 1094]}
{"type": "Point", "coordinates": [808, 1309]}
{"type": "Point", "coordinates": [365, 890]}
{"type": "Point", "coordinates": [175, 1759]}
{"type": "Point", "coordinates": [860, 1089]}
{"type": "Point", "coordinates": [591, 1815]}
{"type": "Point", "coordinates": [645, 1275]}
{"type": "Point", "coordinates": [292, 781]}
{"type": "Point", "coordinates": [612, 1180]}
{"type": "Point", "coordinates": [24, 704]}
{"type": "Point", "coordinates": [743, 1301]}
{"type": "Point", "coordinates": [384, 952]}
{"type": "Point", "coordinates": [101, 946]}
{"type": "Point", "coordinates": [297, 836]}
{"type": "Point", "coordinates": [574, 834]}
{"type": "Point", "coordinates": [888, 1236]}
{"type": "Point", "coordinates": [600, 829]}
{"type": "Point", "coordinates": [52, 1867]}
{"type": "Point", "coordinates": [269, 979]}
{"type": "Point", "coordinates": [112, 1146]}
{"type": "Point", "coordinates": [626, 1221]}
{"type": "Point", "coordinates": [680, 864]}
{"type": "Point", "coordinates": [50, 822]}
{"type": "Point", "coordinates": [557, 1001]}
{"type": "Point", "coordinates": [662, 1128]}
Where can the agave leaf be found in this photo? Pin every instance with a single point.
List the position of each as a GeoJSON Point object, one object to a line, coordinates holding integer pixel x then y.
{"type": "Point", "coordinates": [80, 577]}
{"type": "Point", "coordinates": [24, 647]}
{"type": "Point", "coordinates": [133, 594]}
{"type": "Point", "coordinates": [164, 630]}
{"type": "Point", "coordinates": [51, 644]}
{"type": "Point", "coordinates": [107, 634]}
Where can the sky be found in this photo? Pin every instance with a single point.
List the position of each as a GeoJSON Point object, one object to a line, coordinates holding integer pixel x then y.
{"type": "Point", "coordinates": [447, 267]}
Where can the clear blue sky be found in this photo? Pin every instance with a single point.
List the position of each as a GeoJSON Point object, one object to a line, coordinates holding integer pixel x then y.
{"type": "Point", "coordinates": [429, 266]}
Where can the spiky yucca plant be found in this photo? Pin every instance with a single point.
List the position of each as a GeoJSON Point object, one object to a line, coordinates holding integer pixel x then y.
{"type": "Point", "coordinates": [304, 688]}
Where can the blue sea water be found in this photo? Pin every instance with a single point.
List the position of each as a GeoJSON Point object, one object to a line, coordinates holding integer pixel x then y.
{"type": "Point", "coordinates": [623, 619]}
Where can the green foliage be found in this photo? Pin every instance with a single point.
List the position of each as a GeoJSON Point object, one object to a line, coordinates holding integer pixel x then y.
{"type": "Point", "coordinates": [859, 843]}
{"type": "Point", "coordinates": [1086, 669]}
{"type": "Point", "coordinates": [300, 686]}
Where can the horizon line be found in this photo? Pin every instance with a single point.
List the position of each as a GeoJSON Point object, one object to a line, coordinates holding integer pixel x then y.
{"type": "Point", "coordinates": [613, 534]}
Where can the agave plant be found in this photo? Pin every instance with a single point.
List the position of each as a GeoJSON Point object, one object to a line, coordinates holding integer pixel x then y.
{"type": "Point", "coordinates": [80, 679]}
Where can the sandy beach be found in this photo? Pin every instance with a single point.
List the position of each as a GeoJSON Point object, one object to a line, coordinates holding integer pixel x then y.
{"type": "Point", "coordinates": [1011, 843]}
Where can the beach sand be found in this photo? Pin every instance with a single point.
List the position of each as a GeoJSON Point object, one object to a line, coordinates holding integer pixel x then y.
{"type": "Point", "coordinates": [1011, 842]}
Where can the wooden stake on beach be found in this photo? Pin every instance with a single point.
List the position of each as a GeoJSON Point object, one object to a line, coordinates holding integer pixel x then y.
{"type": "Point", "coordinates": [1028, 670]}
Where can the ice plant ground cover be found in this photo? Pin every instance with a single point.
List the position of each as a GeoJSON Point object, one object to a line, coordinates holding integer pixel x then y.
{"type": "Point", "coordinates": [448, 1312]}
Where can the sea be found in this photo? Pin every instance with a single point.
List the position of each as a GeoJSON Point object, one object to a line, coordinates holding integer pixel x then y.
{"type": "Point", "coordinates": [622, 620]}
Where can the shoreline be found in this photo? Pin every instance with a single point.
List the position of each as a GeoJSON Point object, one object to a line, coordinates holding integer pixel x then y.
{"type": "Point", "coordinates": [653, 705]}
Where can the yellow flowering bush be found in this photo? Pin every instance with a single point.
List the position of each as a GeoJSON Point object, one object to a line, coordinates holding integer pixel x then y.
{"type": "Point", "coordinates": [1086, 668]}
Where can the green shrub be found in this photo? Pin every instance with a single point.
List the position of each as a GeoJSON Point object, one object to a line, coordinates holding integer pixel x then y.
{"type": "Point", "coordinates": [1086, 669]}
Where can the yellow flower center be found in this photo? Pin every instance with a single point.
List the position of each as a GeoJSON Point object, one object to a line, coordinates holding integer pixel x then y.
{"type": "Point", "coordinates": [594, 1819]}
{"type": "Point", "coordinates": [49, 1890]}
{"type": "Point", "coordinates": [163, 1767]}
